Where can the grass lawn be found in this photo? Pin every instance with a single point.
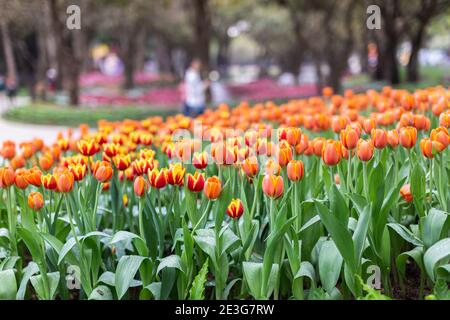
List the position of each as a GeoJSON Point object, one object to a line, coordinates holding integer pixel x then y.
{"type": "Point", "coordinates": [73, 116]}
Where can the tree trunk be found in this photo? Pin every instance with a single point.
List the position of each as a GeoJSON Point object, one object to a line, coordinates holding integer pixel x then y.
{"type": "Point", "coordinates": [412, 68]}
{"type": "Point", "coordinates": [202, 31]}
{"type": "Point", "coordinates": [8, 51]}
{"type": "Point", "coordinates": [391, 66]}
{"type": "Point", "coordinates": [141, 41]}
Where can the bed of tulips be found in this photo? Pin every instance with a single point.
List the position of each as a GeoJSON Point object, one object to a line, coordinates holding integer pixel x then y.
{"type": "Point", "coordinates": [320, 198]}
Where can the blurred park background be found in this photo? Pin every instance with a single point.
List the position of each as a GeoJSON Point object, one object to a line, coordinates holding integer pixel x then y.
{"type": "Point", "coordinates": [129, 58]}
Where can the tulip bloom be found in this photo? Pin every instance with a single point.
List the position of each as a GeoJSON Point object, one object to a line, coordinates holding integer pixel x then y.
{"type": "Point", "coordinates": [368, 125]}
{"type": "Point", "coordinates": [142, 166]}
{"type": "Point", "coordinates": [365, 150]}
{"type": "Point", "coordinates": [200, 160]}
{"type": "Point", "coordinates": [284, 155]}
{"type": "Point", "coordinates": [88, 147]}
{"type": "Point", "coordinates": [7, 177]}
{"type": "Point", "coordinates": [35, 201]}
{"type": "Point", "coordinates": [9, 150]}
{"type": "Point", "coordinates": [46, 161]}
{"type": "Point", "coordinates": [295, 170]}
{"type": "Point", "coordinates": [21, 179]}
{"type": "Point", "coordinates": [331, 153]}
{"type": "Point", "coordinates": [444, 119]}
{"type": "Point", "coordinates": [140, 186]}
{"type": "Point", "coordinates": [122, 162]}
{"type": "Point", "coordinates": [78, 170]}
{"type": "Point", "coordinates": [64, 182]}
{"type": "Point", "coordinates": [349, 137]}
{"type": "Point", "coordinates": [405, 192]}
{"type": "Point", "coordinates": [157, 178]}
{"type": "Point", "coordinates": [379, 138]}
{"type": "Point", "coordinates": [293, 136]}
{"type": "Point", "coordinates": [235, 209]}
{"type": "Point", "coordinates": [250, 166]}
{"type": "Point", "coordinates": [103, 171]}
{"type": "Point", "coordinates": [196, 182]}
{"type": "Point", "coordinates": [408, 137]}
{"type": "Point", "coordinates": [430, 148]}
{"type": "Point", "coordinates": [175, 175]}
{"type": "Point", "coordinates": [392, 138]}
{"type": "Point", "coordinates": [317, 145]}
{"type": "Point", "coordinates": [34, 177]}
{"type": "Point", "coordinates": [49, 182]}
{"type": "Point", "coordinates": [273, 186]}
{"type": "Point", "coordinates": [440, 135]}
{"type": "Point", "coordinates": [213, 188]}
{"type": "Point", "coordinates": [272, 167]}
{"type": "Point", "coordinates": [111, 149]}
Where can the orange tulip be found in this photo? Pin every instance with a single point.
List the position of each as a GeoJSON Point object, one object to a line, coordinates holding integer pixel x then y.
{"type": "Point", "coordinates": [223, 154]}
{"type": "Point", "coordinates": [272, 167]}
{"type": "Point", "coordinates": [444, 119]}
{"type": "Point", "coordinates": [46, 161]}
{"type": "Point", "coordinates": [34, 177]}
{"type": "Point", "coordinates": [379, 138]}
{"type": "Point", "coordinates": [235, 209]}
{"type": "Point", "coordinates": [365, 150]}
{"type": "Point", "coordinates": [140, 186]}
{"type": "Point", "coordinates": [405, 192]}
{"type": "Point", "coordinates": [213, 188]}
{"type": "Point", "coordinates": [430, 148]}
{"type": "Point", "coordinates": [273, 186]}
{"type": "Point", "coordinates": [408, 137]}
{"type": "Point", "coordinates": [368, 125]}
{"type": "Point", "coordinates": [195, 182]}
{"type": "Point", "coordinates": [392, 138]}
{"type": "Point", "coordinates": [49, 182]}
{"type": "Point", "coordinates": [349, 137]}
{"type": "Point", "coordinates": [250, 166]}
{"type": "Point", "coordinates": [9, 150]}
{"type": "Point", "coordinates": [158, 178]}
{"type": "Point", "coordinates": [200, 160]}
{"type": "Point", "coordinates": [440, 135]}
{"type": "Point", "coordinates": [64, 182]}
{"type": "Point", "coordinates": [102, 171]}
{"type": "Point", "coordinates": [331, 153]}
{"type": "Point", "coordinates": [21, 179]}
{"type": "Point", "coordinates": [318, 144]}
{"type": "Point", "coordinates": [295, 170]}
{"type": "Point", "coordinates": [175, 175]}
{"type": "Point", "coordinates": [7, 177]}
{"type": "Point", "coordinates": [35, 201]}
{"type": "Point", "coordinates": [284, 155]}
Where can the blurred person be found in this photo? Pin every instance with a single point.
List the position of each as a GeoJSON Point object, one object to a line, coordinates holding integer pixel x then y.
{"type": "Point", "coordinates": [11, 89]}
{"type": "Point", "coordinates": [194, 90]}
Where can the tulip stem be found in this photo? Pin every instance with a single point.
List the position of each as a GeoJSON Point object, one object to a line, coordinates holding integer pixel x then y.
{"type": "Point", "coordinates": [431, 182]}
{"type": "Point", "coordinates": [365, 181]}
{"type": "Point", "coordinates": [141, 218]}
{"type": "Point", "coordinates": [11, 222]}
{"type": "Point", "coordinates": [349, 173]}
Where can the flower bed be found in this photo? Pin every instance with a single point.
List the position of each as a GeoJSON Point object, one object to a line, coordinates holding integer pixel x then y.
{"type": "Point", "coordinates": [332, 197]}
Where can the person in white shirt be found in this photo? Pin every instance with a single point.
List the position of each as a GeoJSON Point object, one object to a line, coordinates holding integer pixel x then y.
{"type": "Point", "coordinates": [195, 90]}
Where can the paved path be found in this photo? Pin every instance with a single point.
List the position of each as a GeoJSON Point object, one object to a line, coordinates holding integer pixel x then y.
{"type": "Point", "coordinates": [20, 132]}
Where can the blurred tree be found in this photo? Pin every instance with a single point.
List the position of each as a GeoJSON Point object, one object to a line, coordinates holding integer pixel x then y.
{"type": "Point", "coordinates": [202, 31]}
{"type": "Point", "coordinates": [7, 10]}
